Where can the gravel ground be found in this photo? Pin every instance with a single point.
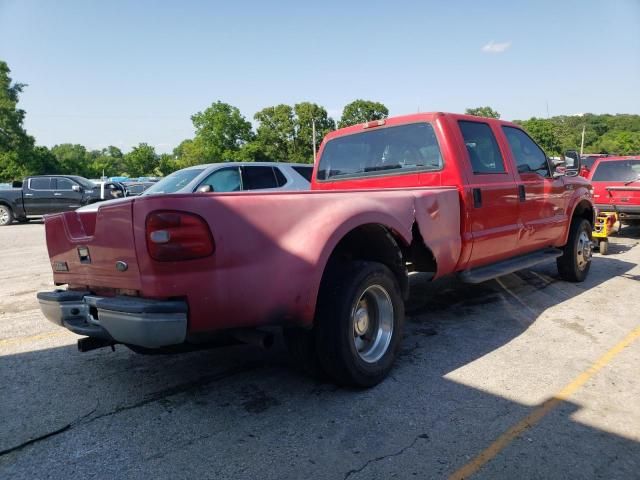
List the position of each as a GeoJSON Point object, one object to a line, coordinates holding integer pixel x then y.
{"type": "Point", "coordinates": [476, 361]}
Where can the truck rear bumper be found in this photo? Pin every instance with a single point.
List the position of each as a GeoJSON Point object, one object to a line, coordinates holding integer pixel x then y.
{"type": "Point", "coordinates": [129, 320]}
{"type": "Point", "coordinates": [629, 212]}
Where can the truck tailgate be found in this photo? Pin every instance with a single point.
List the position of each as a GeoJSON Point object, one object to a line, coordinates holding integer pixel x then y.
{"type": "Point", "coordinates": [95, 249]}
{"type": "Point", "coordinates": [624, 194]}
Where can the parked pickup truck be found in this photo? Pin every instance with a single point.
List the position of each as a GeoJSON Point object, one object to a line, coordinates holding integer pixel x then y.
{"type": "Point", "coordinates": [616, 187]}
{"type": "Point", "coordinates": [44, 194]}
{"type": "Point", "coordinates": [432, 192]}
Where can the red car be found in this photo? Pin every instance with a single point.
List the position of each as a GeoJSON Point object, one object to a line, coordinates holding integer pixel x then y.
{"type": "Point", "coordinates": [431, 192]}
{"type": "Point", "coordinates": [616, 186]}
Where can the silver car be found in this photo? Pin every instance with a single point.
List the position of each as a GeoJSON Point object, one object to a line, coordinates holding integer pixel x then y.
{"type": "Point", "coordinates": [234, 177]}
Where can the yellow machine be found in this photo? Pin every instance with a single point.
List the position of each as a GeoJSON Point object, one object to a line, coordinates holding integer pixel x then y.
{"type": "Point", "coordinates": [606, 224]}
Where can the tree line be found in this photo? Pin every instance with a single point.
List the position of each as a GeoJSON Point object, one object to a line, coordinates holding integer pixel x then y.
{"type": "Point", "coordinates": [283, 133]}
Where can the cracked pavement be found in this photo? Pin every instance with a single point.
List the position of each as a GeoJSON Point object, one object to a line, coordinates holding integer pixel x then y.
{"type": "Point", "coordinates": [475, 360]}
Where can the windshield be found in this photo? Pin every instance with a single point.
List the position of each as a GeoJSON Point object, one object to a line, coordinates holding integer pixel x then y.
{"type": "Point", "coordinates": [387, 150]}
{"type": "Point", "coordinates": [617, 171]}
{"type": "Point", "coordinates": [589, 161]}
{"type": "Point", "coordinates": [174, 182]}
{"type": "Point", "coordinates": [86, 184]}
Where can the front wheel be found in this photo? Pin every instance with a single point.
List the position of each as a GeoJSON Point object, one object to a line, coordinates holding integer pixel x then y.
{"type": "Point", "coordinates": [6, 215]}
{"type": "Point", "coordinates": [359, 319]}
{"type": "Point", "coordinates": [575, 262]}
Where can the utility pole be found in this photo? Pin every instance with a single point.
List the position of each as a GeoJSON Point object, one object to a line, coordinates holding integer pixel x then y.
{"type": "Point", "coordinates": [313, 130]}
{"type": "Point", "coordinates": [582, 142]}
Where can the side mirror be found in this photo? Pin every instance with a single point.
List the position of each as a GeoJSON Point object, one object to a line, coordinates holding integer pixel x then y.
{"type": "Point", "coordinates": [205, 189]}
{"type": "Point", "coordinates": [76, 188]}
{"type": "Point", "coordinates": [572, 162]}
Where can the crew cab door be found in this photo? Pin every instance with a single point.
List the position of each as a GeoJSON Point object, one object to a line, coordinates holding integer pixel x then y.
{"type": "Point", "coordinates": [490, 195]}
{"type": "Point", "coordinates": [65, 198]}
{"type": "Point", "coordinates": [542, 197]}
{"type": "Point", "coordinates": [38, 195]}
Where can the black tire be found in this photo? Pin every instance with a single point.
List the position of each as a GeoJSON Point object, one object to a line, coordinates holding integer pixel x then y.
{"type": "Point", "coordinates": [343, 293]}
{"type": "Point", "coordinates": [6, 216]}
{"type": "Point", "coordinates": [603, 247]}
{"type": "Point", "coordinates": [301, 344]}
{"type": "Point", "coordinates": [575, 262]}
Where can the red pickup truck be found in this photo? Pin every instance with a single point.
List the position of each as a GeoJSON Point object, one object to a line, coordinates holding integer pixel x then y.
{"type": "Point", "coordinates": [616, 186]}
{"type": "Point", "coordinates": [434, 192]}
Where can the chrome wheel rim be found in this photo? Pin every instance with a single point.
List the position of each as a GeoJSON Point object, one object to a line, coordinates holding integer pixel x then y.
{"type": "Point", "coordinates": [4, 216]}
{"type": "Point", "coordinates": [372, 323]}
{"type": "Point", "coordinates": [583, 254]}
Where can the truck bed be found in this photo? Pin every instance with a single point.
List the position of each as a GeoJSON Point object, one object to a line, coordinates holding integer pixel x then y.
{"type": "Point", "coordinates": [270, 248]}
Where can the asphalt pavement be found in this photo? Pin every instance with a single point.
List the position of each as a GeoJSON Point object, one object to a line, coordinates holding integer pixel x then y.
{"type": "Point", "coordinates": [526, 376]}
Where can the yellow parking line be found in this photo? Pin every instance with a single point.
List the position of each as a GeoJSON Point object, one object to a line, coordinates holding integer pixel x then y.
{"type": "Point", "coordinates": [539, 412]}
{"type": "Point", "coordinates": [31, 338]}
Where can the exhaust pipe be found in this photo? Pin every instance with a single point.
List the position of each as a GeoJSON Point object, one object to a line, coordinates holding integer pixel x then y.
{"type": "Point", "coordinates": [254, 337]}
{"type": "Point", "coordinates": [91, 343]}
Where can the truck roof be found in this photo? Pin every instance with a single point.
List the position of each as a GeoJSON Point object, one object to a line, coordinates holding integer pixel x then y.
{"type": "Point", "coordinates": [243, 164]}
{"type": "Point", "coordinates": [411, 118]}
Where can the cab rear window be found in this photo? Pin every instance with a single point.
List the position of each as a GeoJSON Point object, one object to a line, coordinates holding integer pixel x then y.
{"type": "Point", "coordinates": [617, 171]}
{"type": "Point", "coordinates": [388, 150]}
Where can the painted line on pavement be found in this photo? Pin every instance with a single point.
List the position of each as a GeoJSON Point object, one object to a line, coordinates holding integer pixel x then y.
{"type": "Point", "coordinates": [542, 410]}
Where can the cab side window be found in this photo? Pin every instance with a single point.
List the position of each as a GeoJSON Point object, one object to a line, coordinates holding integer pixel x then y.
{"type": "Point", "coordinates": [257, 178]}
{"type": "Point", "coordinates": [223, 180]}
{"type": "Point", "coordinates": [482, 147]}
{"type": "Point", "coordinates": [528, 155]}
{"type": "Point", "coordinates": [40, 183]}
{"type": "Point", "coordinates": [63, 184]}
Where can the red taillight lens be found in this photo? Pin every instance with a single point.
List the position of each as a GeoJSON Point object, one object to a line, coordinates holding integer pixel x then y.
{"type": "Point", "coordinates": [173, 236]}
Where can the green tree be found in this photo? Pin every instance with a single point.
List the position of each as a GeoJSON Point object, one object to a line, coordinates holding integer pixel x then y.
{"type": "Point", "coordinates": [482, 112]}
{"type": "Point", "coordinates": [306, 114]}
{"type": "Point", "coordinates": [619, 143]}
{"type": "Point", "coordinates": [108, 161]}
{"type": "Point", "coordinates": [18, 156]}
{"type": "Point", "coordinates": [141, 160]}
{"type": "Point", "coordinates": [71, 158]}
{"type": "Point", "coordinates": [193, 151]}
{"type": "Point", "coordinates": [167, 164]}
{"type": "Point", "coordinates": [276, 132]}
{"type": "Point", "coordinates": [545, 133]}
{"type": "Point", "coordinates": [361, 111]}
{"type": "Point", "coordinates": [221, 131]}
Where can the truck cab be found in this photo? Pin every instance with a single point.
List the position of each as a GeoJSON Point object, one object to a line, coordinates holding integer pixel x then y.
{"type": "Point", "coordinates": [513, 201]}
{"type": "Point", "coordinates": [44, 194]}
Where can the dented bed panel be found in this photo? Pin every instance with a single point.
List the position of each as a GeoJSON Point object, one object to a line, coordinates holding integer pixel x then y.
{"type": "Point", "coordinates": [271, 248]}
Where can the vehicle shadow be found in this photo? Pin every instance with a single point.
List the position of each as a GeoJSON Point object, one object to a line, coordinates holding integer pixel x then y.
{"type": "Point", "coordinates": [240, 412]}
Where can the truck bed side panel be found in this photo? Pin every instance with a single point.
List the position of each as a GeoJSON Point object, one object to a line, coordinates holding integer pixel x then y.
{"type": "Point", "coordinates": [271, 249]}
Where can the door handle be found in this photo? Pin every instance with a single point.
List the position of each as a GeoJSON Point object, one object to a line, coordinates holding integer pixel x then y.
{"type": "Point", "coordinates": [57, 194]}
{"type": "Point", "coordinates": [477, 197]}
{"type": "Point", "coordinates": [28, 194]}
{"type": "Point", "coordinates": [522, 194]}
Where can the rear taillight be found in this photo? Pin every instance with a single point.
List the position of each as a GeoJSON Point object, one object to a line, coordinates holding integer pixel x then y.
{"type": "Point", "coordinates": [173, 236]}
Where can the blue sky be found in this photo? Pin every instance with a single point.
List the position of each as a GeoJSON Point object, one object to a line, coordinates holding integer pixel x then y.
{"type": "Point", "coordinates": [119, 73]}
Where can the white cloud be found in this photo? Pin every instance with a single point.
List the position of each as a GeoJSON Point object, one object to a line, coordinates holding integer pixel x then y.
{"type": "Point", "coordinates": [493, 47]}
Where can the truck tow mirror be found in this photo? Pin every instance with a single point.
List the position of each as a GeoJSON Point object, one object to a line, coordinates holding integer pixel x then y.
{"type": "Point", "coordinates": [572, 159]}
